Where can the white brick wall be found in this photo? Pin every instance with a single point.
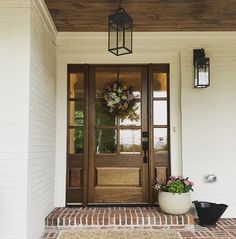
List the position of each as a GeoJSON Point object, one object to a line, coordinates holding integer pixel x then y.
{"type": "Point", "coordinates": [14, 98]}
{"type": "Point", "coordinates": [42, 124]}
{"type": "Point", "coordinates": [208, 128]}
{"type": "Point", "coordinates": [27, 119]}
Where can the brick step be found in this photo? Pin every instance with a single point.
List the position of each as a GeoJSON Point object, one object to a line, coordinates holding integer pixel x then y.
{"type": "Point", "coordinates": [119, 217]}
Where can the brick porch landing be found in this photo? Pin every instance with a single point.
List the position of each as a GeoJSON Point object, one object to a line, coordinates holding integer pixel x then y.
{"type": "Point", "coordinates": [62, 219]}
{"type": "Point", "coordinates": [116, 217]}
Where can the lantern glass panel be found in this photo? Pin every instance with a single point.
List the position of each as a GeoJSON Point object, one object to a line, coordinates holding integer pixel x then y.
{"type": "Point", "coordinates": [112, 36]}
{"type": "Point", "coordinates": [120, 38]}
{"type": "Point", "coordinates": [122, 51]}
{"type": "Point", "coordinates": [196, 76]}
{"type": "Point", "coordinates": [128, 38]}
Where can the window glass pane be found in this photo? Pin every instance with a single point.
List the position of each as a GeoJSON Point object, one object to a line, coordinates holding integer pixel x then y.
{"type": "Point", "coordinates": [76, 85]}
{"type": "Point", "coordinates": [160, 112]}
{"type": "Point", "coordinates": [130, 141]}
{"type": "Point", "coordinates": [132, 79]}
{"type": "Point", "coordinates": [102, 79]}
{"type": "Point", "coordinates": [76, 113]}
{"type": "Point", "coordinates": [75, 141]}
{"type": "Point", "coordinates": [160, 85]}
{"type": "Point", "coordinates": [137, 117]}
{"type": "Point", "coordinates": [102, 116]}
{"type": "Point", "coordinates": [106, 140]}
{"type": "Point", "coordinates": [160, 140]}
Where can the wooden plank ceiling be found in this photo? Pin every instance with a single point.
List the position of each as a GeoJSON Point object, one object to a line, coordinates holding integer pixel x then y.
{"type": "Point", "coordinates": [148, 15]}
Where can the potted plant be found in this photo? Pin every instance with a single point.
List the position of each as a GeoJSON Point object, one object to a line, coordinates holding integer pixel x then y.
{"type": "Point", "coordinates": [174, 194]}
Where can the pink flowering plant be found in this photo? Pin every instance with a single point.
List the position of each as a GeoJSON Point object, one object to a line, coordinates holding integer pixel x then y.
{"type": "Point", "coordinates": [174, 184]}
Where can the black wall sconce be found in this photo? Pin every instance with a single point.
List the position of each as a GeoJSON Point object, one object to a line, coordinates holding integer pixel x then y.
{"type": "Point", "coordinates": [120, 32]}
{"type": "Point", "coordinates": [201, 69]}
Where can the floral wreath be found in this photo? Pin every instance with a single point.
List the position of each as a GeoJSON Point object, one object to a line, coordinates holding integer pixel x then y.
{"type": "Point", "coordinates": [120, 100]}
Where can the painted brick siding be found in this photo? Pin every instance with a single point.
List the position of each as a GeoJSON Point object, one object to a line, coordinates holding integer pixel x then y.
{"type": "Point", "coordinates": [14, 97]}
{"type": "Point", "coordinates": [42, 123]}
{"type": "Point", "coordinates": [208, 128]}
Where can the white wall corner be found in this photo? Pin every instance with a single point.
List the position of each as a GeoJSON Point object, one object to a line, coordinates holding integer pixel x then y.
{"type": "Point", "coordinates": [43, 11]}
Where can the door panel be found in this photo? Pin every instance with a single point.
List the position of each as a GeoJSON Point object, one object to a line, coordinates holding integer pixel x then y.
{"type": "Point", "coordinates": [117, 172]}
{"type": "Point", "coordinates": [115, 176]}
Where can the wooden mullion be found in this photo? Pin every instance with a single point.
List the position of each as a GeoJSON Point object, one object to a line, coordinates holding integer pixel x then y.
{"type": "Point", "coordinates": [75, 99]}
{"type": "Point", "coordinates": [160, 126]}
{"type": "Point", "coordinates": [160, 98]}
{"type": "Point", "coordinates": [105, 127]}
{"type": "Point", "coordinates": [150, 138]}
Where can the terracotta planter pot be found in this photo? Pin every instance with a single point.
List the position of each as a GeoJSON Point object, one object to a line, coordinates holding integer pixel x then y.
{"type": "Point", "coordinates": [174, 203]}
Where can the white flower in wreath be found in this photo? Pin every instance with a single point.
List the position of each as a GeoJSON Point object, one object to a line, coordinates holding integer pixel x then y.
{"type": "Point", "coordinates": [117, 100]}
{"type": "Point", "coordinates": [113, 95]}
{"type": "Point", "coordinates": [110, 103]}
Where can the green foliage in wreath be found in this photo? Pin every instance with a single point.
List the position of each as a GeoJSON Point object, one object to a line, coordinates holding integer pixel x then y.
{"type": "Point", "coordinates": [120, 100]}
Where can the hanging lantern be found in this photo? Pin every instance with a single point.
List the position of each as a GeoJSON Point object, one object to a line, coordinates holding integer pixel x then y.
{"type": "Point", "coordinates": [120, 33]}
{"type": "Point", "coordinates": [201, 69]}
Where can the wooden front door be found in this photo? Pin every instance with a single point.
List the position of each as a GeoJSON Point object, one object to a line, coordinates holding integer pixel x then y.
{"type": "Point", "coordinates": [106, 161]}
{"type": "Point", "coordinates": [117, 173]}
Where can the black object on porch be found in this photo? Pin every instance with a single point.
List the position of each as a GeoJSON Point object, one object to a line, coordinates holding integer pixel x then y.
{"type": "Point", "coordinates": [209, 213]}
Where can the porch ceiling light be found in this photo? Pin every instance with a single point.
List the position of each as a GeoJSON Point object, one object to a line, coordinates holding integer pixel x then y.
{"type": "Point", "coordinates": [120, 32]}
{"type": "Point", "coordinates": [201, 69]}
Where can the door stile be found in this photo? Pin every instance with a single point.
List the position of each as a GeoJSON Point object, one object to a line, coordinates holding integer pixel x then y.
{"type": "Point", "coordinates": [150, 130]}
{"type": "Point", "coordinates": [86, 132]}
{"type": "Point", "coordinates": [145, 118]}
{"type": "Point", "coordinates": [168, 119]}
{"type": "Point", "coordinates": [91, 93]}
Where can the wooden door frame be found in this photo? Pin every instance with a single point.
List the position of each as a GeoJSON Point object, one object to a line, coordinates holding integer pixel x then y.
{"type": "Point", "coordinates": [88, 84]}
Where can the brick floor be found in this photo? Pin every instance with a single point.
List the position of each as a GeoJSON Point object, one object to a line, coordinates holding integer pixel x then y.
{"type": "Point", "coordinates": [135, 218]}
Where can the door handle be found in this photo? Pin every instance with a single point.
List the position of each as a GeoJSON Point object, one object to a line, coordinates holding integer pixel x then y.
{"type": "Point", "coordinates": [145, 150]}
{"type": "Point", "coordinates": [145, 145]}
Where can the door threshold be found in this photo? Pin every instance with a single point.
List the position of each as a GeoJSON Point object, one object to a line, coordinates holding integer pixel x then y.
{"type": "Point", "coordinates": [118, 204]}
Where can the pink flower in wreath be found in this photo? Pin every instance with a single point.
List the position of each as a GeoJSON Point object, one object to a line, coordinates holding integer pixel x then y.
{"type": "Point", "coordinates": [114, 86]}
{"type": "Point", "coordinates": [130, 97]}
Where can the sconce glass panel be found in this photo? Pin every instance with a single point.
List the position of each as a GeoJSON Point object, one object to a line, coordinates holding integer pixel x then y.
{"type": "Point", "coordinates": [202, 73]}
